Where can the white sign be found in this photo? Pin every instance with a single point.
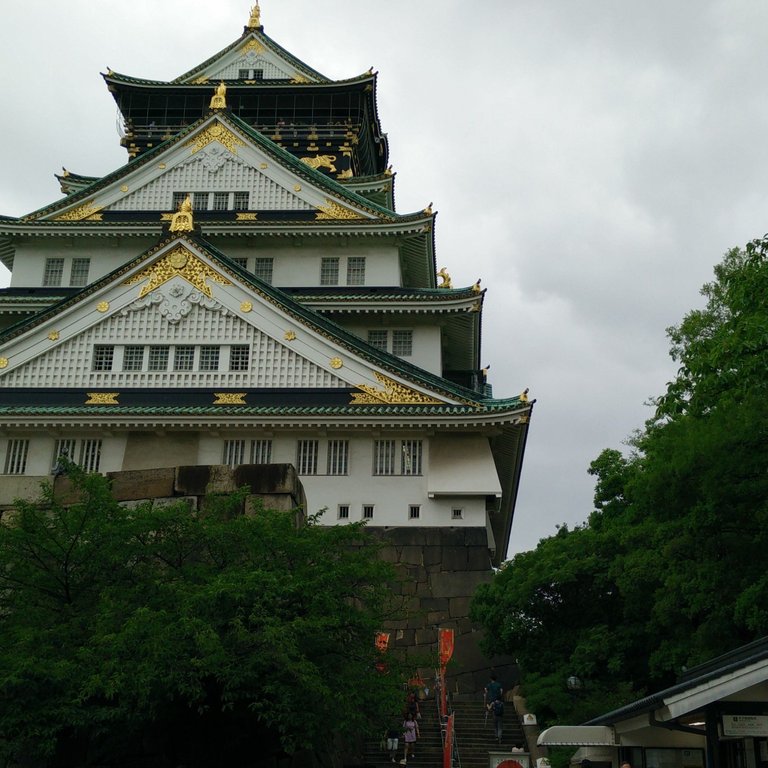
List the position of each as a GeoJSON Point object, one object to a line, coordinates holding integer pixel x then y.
{"type": "Point", "coordinates": [745, 725]}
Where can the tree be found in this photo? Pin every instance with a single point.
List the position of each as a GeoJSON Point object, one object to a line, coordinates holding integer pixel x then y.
{"type": "Point", "coordinates": [192, 637]}
{"type": "Point", "coordinates": [669, 570]}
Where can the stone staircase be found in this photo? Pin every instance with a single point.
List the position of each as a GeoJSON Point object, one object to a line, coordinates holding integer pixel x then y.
{"type": "Point", "coordinates": [474, 737]}
{"type": "Point", "coordinates": [474, 734]}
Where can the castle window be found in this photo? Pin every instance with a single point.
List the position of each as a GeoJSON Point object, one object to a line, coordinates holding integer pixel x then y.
{"type": "Point", "coordinates": [234, 451]}
{"type": "Point", "coordinates": [329, 270]}
{"type": "Point", "coordinates": [90, 455]}
{"type": "Point", "coordinates": [457, 514]}
{"type": "Point", "coordinates": [261, 451]}
{"type": "Point", "coordinates": [54, 271]}
{"type": "Point", "coordinates": [378, 339]}
{"type": "Point", "coordinates": [16, 457]}
{"type": "Point", "coordinates": [183, 357]}
{"type": "Point", "coordinates": [414, 511]}
{"type": "Point", "coordinates": [209, 358]}
{"type": "Point", "coordinates": [133, 357]}
{"type": "Point", "coordinates": [178, 199]}
{"type": "Point", "coordinates": [402, 343]}
{"type": "Point", "coordinates": [410, 457]}
{"type": "Point", "coordinates": [384, 457]}
{"type": "Point", "coordinates": [239, 357]}
{"type": "Point", "coordinates": [243, 74]}
{"type": "Point", "coordinates": [220, 201]}
{"type": "Point", "coordinates": [103, 355]}
{"type": "Point", "coordinates": [356, 270]}
{"type": "Point", "coordinates": [79, 272]}
{"type": "Point", "coordinates": [343, 512]}
{"type": "Point", "coordinates": [158, 358]}
{"type": "Point", "coordinates": [66, 448]}
{"type": "Point", "coordinates": [367, 511]}
{"type": "Point", "coordinates": [240, 201]}
{"type": "Point", "coordinates": [262, 268]}
{"type": "Point", "coordinates": [200, 201]}
{"type": "Point", "coordinates": [338, 457]}
{"type": "Point", "coordinates": [306, 457]}
{"type": "Point", "coordinates": [241, 261]}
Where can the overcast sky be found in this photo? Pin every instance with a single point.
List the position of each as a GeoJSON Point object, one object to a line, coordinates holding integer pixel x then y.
{"type": "Point", "coordinates": [590, 161]}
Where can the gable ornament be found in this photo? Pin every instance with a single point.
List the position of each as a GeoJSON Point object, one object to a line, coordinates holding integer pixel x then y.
{"type": "Point", "coordinates": [219, 98]}
{"type": "Point", "coordinates": [182, 220]}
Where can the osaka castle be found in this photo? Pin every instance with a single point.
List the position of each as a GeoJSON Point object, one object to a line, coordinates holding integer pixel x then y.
{"type": "Point", "coordinates": [242, 291]}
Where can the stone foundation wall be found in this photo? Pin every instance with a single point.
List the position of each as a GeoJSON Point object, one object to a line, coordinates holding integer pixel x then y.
{"type": "Point", "coordinates": [438, 569]}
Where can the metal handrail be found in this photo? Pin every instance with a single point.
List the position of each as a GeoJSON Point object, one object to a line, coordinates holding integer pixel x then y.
{"type": "Point", "coordinates": [455, 755]}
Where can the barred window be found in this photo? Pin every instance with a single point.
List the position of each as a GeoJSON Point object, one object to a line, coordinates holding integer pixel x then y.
{"type": "Point", "coordinates": [241, 261]}
{"type": "Point", "coordinates": [258, 74]}
{"type": "Point", "coordinates": [234, 451]}
{"type": "Point", "coordinates": [209, 358]}
{"type": "Point", "coordinates": [240, 201]}
{"type": "Point", "coordinates": [90, 455]}
{"type": "Point", "coordinates": [200, 201]}
{"type": "Point", "coordinates": [457, 513]}
{"type": "Point", "coordinates": [402, 343]}
{"type": "Point", "coordinates": [243, 74]}
{"type": "Point", "coordinates": [306, 457]}
{"type": "Point", "coordinates": [329, 270]}
{"type": "Point", "coordinates": [378, 339]}
{"type": "Point", "coordinates": [66, 448]}
{"type": "Point", "coordinates": [239, 357]}
{"type": "Point", "coordinates": [414, 512]}
{"type": "Point", "coordinates": [78, 275]}
{"type": "Point", "coordinates": [367, 511]}
{"type": "Point", "coordinates": [133, 357]}
{"type": "Point", "coordinates": [343, 512]}
{"type": "Point", "coordinates": [410, 463]}
{"type": "Point", "coordinates": [356, 270]}
{"type": "Point", "coordinates": [384, 457]}
{"type": "Point", "coordinates": [262, 268]}
{"type": "Point", "coordinates": [220, 201]}
{"type": "Point", "coordinates": [54, 271]}
{"type": "Point", "coordinates": [16, 457]}
{"type": "Point", "coordinates": [103, 355]}
{"type": "Point", "coordinates": [261, 451]}
{"type": "Point", "coordinates": [183, 357]}
{"type": "Point", "coordinates": [158, 358]}
{"type": "Point", "coordinates": [338, 457]}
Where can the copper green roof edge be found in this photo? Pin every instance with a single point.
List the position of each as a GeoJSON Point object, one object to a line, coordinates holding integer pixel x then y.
{"type": "Point", "coordinates": [259, 35]}
{"type": "Point", "coordinates": [413, 294]}
{"type": "Point", "coordinates": [75, 178]}
{"type": "Point", "coordinates": [280, 154]}
{"type": "Point", "coordinates": [119, 78]}
{"type": "Point", "coordinates": [383, 409]}
{"type": "Point", "coordinates": [312, 318]}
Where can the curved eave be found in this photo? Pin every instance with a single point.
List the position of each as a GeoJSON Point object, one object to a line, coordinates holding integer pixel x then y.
{"type": "Point", "coordinates": [125, 81]}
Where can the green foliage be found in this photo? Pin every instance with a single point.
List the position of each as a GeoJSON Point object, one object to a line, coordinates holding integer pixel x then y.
{"type": "Point", "coordinates": [669, 569]}
{"type": "Point", "coordinates": [195, 635]}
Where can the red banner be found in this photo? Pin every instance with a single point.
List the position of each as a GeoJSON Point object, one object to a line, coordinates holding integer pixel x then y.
{"type": "Point", "coordinates": [448, 746]}
{"type": "Point", "coordinates": [446, 645]}
{"type": "Point", "coordinates": [382, 644]}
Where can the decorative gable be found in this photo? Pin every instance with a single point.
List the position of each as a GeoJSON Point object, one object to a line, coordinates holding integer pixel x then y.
{"type": "Point", "coordinates": [218, 158]}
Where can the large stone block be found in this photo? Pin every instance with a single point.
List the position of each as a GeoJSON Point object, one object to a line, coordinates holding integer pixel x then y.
{"type": "Point", "coordinates": [461, 584]}
{"type": "Point", "coordinates": [478, 559]}
{"type": "Point", "coordinates": [192, 480]}
{"type": "Point", "coordinates": [411, 555]}
{"type": "Point", "coordinates": [454, 559]}
{"type": "Point", "coordinates": [459, 607]}
{"type": "Point", "coordinates": [432, 556]}
{"type": "Point", "coordinates": [133, 484]}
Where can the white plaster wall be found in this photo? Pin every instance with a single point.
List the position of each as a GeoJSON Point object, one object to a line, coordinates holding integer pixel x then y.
{"type": "Point", "coordinates": [105, 256]}
{"type": "Point", "coordinates": [427, 352]}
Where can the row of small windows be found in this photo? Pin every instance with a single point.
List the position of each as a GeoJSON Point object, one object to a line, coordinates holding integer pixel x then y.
{"type": "Point", "coordinates": [165, 357]}
{"type": "Point", "coordinates": [53, 274]}
{"type": "Point", "coordinates": [85, 453]}
{"type": "Point", "coordinates": [329, 270]}
{"type": "Point", "coordinates": [213, 201]}
{"type": "Point", "coordinates": [399, 343]}
{"type": "Point", "coordinates": [390, 457]}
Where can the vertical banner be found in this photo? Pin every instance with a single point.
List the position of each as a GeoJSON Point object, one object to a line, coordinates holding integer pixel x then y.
{"type": "Point", "coordinates": [448, 746]}
{"type": "Point", "coordinates": [445, 649]}
{"type": "Point", "coordinates": [382, 644]}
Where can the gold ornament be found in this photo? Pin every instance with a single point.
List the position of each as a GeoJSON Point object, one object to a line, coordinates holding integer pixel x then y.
{"type": "Point", "coordinates": [102, 306]}
{"type": "Point", "coordinates": [229, 398]}
{"type": "Point", "coordinates": [124, 188]}
{"type": "Point", "coordinates": [393, 394]}
{"type": "Point", "coordinates": [336, 363]}
{"type": "Point", "coordinates": [189, 267]}
{"type": "Point", "coordinates": [289, 336]}
{"type": "Point", "coordinates": [215, 132]}
{"type": "Point", "coordinates": [182, 220]}
{"type": "Point", "coordinates": [3, 362]}
{"type": "Point", "coordinates": [246, 216]}
{"type": "Point", "coordinates": [335, 211]}
{"type": "Point", "coordinates": [255, 21]}
{"type": "Point", "coordinates": [102, 398]}
{"type": "Point", "coordinates": [53, 335]}
{"type": "Point", "coordinates": [246, 306]}
{"type": "Point", "coordinates": [85, 211]}
{"type": "Point", "coordinates": [252, 45]}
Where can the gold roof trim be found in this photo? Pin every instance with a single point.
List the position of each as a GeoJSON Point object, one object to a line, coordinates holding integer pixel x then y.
{"type": "Point", "coordinates": [85, 211]}
{"type": "Point", "coordinates": [333, 210]}
{"type": "Point", "coordinates": [392, 394]}
{"type": "Point", "coordinates": [179, 262]}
